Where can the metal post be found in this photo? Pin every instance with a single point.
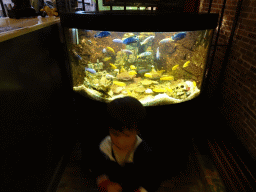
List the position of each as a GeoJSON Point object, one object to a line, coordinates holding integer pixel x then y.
{"type": "Point", "coordinates": [230, 42]}
{"type": "Point", "coordinates": [97, 6]}
{"type": "Point", "coordinates": [83, 6]}
{"type": "Point", "coordinates": [3, 8]}
{"type": "Point", "coordinates": [216, 41]}
{"type": "Point", "coordinates": [210, 6]}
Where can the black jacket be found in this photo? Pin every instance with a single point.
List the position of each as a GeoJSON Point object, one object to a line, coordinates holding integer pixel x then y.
{"type": "Point", "coordinates": [139, 171]}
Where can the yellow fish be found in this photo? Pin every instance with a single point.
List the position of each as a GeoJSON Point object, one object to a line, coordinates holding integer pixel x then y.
{"type": "Point", "coordinates": [186, 64]}
{"type": "Point", "coordinates": [194, 83]}
{"type": "Point", "coordinates": [112, 66]}
{"type": "Point", "coordinates": [166, 78]}
{"type": "Point", "coordinates": [159, 90]}
{"type": "Point", "coordinates": [161, 71]}
{"type": "Point", "coordinates": [129, 92]}
{"type": "Point", "coordinates": [122, 69]}
{"type": "Point", "coordinates": [148, 75]}
{"type": "Point", "coordinates": [111, 50]}
{"type": "Point", "coordinates": [175, 67]}
{"type": "Point", "coordinates": [119, 83]}
{"type": "Point", "coordinates": [132, 67]}
{"type": "Point", "coordinates": [132, 72]}
{"type": "Point", "coordinates": [107, 58]}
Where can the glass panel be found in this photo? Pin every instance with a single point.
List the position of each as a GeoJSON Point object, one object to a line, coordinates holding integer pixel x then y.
{"type": "Point", "coordinates": [155, 67]}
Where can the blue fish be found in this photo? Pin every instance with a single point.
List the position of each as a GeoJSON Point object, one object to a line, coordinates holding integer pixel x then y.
{"type": "Point", "coordinates": [90, 70]}
{"type": "Point", "coordinates": [76, 55]}
{"type": "Point", "coordinates": [147, 53]}
{"type": "Point", "coordinates": [130, 40]}
{"type": "Point", "coordinates": [157, 53]}
{"type": "Point", "coordinates": [102, 34]}
{"type": "Point", "coordinates": [167, 40]}
{"type": "Point", "coordinates": [127, 51]}
{"type": "Point", "coordinates": [143, 71]}
{"type": "Point", "coordinates": [179, 36]}
{"type": "Point", "coordinates": [117, 40]}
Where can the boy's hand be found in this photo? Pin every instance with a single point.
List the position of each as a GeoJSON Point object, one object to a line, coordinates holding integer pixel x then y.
{"type": "Point", "coordinates": [114, 187]}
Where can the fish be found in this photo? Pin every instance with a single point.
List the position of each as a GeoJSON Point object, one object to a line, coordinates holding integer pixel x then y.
{"type": "Point", "coordinates": [107, 58]}
{"type": "Point", "coordinates": [132, 67]}
{"type": "Point", "coordinates": [167, 78]}
{"type": "Point", "coordinates": [112, 66]}
{"type": "Point", "coordinates": [147, 40]}
{"type": "Point", "coordinates": [144, 54]}
{"type": "Point", "coordinates": [111, 50]}
{"type": "Point", "coordinates": [179, 36]}
{"type": "Point", "coordinates": [117, 40]}
{"type": "Point", "coordinates": [90, 70]}
{"type": "Point", "coordinates": [102, 34]}
{"type": "Point", "coordinates": [149, 75]}
{"type": "Point", "coordinates": [76, 55]}
{"type": "Point", "coordinates": [119, 83]}
{"type": "Point", "coordinates": [186, 64]}
{"type": "Point", "coordinates": [104, 50]}
{"type": "Point", "coordinates": [127, 51]}
{"type": "Point", "coordinates": [130, 40]}
{"type": "Point", "coordinates": [129, 92]}
{"type": "Point", "coordinates": [175, 67]}
{"type": "Point", "coordinates": [132, 72]}
{"type": "Point", "coordinates": [143, 71]}
{"type": "Point", "coordinates": [161, 71]}
{"type": "Point", "coordinates": [122, 69]}
{"type": "Point", "coordinates": [157, 53]}
{"type": "Point", "coordinates": [167, 40]}
{"type": "Point", "coordinates": [194, 83]}
{"type": "Point", "coordinates": [159, 90]}
{"type": "Point", "coordinates": [108, 76]}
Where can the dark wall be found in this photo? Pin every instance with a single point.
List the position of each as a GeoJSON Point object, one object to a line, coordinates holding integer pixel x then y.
{"type": "Point", "coordinates": [35, 109]}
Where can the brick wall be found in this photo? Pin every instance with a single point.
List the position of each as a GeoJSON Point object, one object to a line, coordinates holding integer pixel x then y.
{"type": "Point", "coordinates": [239, 88]}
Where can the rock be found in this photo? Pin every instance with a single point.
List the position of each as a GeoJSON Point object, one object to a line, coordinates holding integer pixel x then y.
{"type": "Point", "coordinates": [147, 82]}
{"type": "Point", "coordinates": [116, 89]}
{"type": "Point", "coordinates": [124, 76]}
{"type": "Point", "coordinates": [140, 90]}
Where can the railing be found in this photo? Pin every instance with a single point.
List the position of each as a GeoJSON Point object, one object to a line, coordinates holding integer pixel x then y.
{"type": "Point", "coordinates": [231, 166]}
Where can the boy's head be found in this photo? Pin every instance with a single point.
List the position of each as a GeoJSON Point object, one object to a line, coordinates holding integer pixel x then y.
{"type": "Point", "coordinates": [124, 115]}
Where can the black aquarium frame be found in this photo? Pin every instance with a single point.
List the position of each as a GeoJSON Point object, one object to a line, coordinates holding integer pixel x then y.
{"type": "Point", "coordinates": [143, 21]}
{"type": "Point", "coordinates": [131, 2]}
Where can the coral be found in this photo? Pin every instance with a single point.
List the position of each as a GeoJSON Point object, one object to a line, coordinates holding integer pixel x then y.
{"type": "Point", "coordinates": [124, 76]}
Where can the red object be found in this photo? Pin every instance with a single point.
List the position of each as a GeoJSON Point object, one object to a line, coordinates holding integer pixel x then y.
{"type": "Point", "coordinates": [103, 185]}
{"type": "Point", "coordinates": [137, 190]}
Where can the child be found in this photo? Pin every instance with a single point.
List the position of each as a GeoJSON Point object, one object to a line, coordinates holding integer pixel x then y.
{"type": "Point", "coordinates": [125, 162]}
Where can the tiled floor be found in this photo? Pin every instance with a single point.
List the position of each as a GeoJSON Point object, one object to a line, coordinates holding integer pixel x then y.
{"type": "Point", "coordinates": [193, 180]}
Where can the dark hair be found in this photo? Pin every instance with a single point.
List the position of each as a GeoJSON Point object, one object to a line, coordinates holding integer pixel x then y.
{"type": "Point", "coordinates": [126, 111]}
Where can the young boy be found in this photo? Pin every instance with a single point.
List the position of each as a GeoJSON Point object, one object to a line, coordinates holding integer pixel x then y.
{"type": "Point", "coordinates": [125, 162]}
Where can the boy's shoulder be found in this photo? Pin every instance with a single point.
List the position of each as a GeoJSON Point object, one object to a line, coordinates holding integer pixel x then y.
{"type": "Point", "coordinates": [140, 147]}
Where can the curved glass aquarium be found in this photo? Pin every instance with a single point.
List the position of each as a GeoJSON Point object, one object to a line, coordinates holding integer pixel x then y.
{"type": "Point", "coordinates": [156, 67]}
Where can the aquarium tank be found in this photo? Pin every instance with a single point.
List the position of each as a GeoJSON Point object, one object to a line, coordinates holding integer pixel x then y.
{"type": "Point", "coordinates": [156, 65]}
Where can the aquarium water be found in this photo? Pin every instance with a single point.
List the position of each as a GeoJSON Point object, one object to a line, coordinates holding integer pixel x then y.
{"type": "Point", "coordinates": [157, 68]}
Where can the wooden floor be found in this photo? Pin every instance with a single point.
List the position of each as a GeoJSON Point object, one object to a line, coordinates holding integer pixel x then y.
{"type": "Point", "coordinates": [201, 176]}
